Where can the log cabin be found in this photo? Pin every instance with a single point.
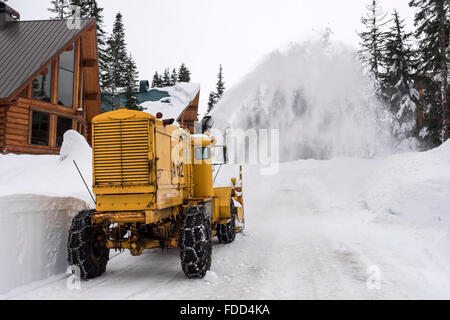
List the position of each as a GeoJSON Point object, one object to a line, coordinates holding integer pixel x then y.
{"type": "Point", "coordinates": [49, 82]}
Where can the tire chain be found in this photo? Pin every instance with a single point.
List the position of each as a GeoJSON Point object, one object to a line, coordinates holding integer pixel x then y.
{"type": "Point", "coordinates": [196, 242]}
{"type": "Point", "coordinates": [226, 233]}
{"type": "Point", "coordinates": [78, 245]}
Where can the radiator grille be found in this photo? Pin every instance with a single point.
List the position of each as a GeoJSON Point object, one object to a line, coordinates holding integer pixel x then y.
{"type": "Point", "coordinates": [121, 151]}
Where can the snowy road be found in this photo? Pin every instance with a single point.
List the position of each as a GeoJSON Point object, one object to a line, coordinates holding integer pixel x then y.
{"type": "Point", "coordinates": [309, 235]}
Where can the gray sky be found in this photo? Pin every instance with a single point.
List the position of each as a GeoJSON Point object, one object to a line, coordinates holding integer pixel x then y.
{"type": "Point", "coordinates": [234, 33]}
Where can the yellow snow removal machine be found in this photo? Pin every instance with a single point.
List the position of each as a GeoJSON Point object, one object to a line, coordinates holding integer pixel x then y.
{"type": "Point", "coordinates": [153, 183]}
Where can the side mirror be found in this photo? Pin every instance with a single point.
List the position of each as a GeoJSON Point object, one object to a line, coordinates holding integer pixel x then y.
{"type": "Point", "coordinates": [225, 155]}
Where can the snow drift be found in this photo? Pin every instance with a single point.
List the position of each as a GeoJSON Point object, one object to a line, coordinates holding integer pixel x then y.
{"type": "Point", "coordinates": [317, 95]}
{"type": "Point", "coordinates": [39, 196]}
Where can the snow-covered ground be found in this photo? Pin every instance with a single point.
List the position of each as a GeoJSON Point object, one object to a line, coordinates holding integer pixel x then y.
{"type": "Point", "coordinates": [345, 228]}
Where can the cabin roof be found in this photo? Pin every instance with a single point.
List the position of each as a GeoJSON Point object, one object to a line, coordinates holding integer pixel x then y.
{"type": "Point", "coordinates": [26, 47]}
{"type": "Point", "coordinates": [175, 103]}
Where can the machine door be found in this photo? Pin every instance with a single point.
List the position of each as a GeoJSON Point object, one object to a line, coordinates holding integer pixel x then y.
{"type": "Point", "coordinates": [163, 159]}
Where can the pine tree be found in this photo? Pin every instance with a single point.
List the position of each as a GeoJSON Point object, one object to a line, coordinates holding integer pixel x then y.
{"type": "Point", "coordinates": [220, 86]}
{"type": "Point", "coordinates": [397, 80]}
{"type": "Point", "coordinates": [184, 75]}
{"type": "Point", "coordinates": [60, 8]}
{"type": "Point", "coordinates": [131, 80]}
{"type": "Point", "coordinates": [372, 39]}
{"type": "Point", "coordinates": [174, 77]}
{"type": "Point", "coordinates": [212, 100]}
{"type": "Point", "coordinates": [115, 61]}
{"type": "Point", "coordinates": [166, 78]}
{"type": "Point", "coordinates": [433, 22]}
{"type": "Point", "coordinates": [214, 97]}
{"type": "Point", "coordinates": [90, 9]}
{"type": "Point", "coordinates": [157, 81]}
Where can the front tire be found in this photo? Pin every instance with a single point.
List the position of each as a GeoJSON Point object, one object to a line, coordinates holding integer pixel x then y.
{"type": "Point", "coordinates": [226, 233]}
{"type": "Point", "coordinates": [87, 246]}
{"type": "Point", "coordinates": [195, 242]}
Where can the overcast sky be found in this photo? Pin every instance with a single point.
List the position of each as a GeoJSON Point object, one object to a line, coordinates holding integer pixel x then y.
{"type": "Point", "coordinates": [234, 33]}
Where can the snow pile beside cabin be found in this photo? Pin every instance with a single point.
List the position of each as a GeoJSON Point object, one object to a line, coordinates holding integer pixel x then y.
{"type": "Point", "coordinates": [39, 196]}
{"type": "Point", "coordinates": [180, 96]}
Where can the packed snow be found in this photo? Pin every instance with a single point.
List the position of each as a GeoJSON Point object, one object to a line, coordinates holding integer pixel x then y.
{"type": "Point", "coordinates": [346, 228]}
{"type": "Point", "coordinates": [181, 95]}
{"type": "Point", "coordinates": [39, 196]}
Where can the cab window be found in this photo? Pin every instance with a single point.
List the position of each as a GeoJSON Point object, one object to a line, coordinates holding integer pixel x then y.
{"type": "Point", "coordinates": [202, 153]}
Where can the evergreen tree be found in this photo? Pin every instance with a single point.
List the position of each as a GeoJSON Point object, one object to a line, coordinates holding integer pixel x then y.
{"type": "Point", "coordinates": [212, 100]}
{"type": "Point", "coordinates": [174, 77]}
{"type": "Point", "coordinates": [90, 9]}
{"type": "Point", "coordinates": [214, 97]}
{"type": "Point", "coordinates": [372, 39]}
{"type": "Point", "coordinates": [220, 86]}
{"type": "Point", "coordinates": [433, 24]}
{"type": "Point", "coordinates": [115, 61]}
{"type": "Point", "coordinates": [166, 82]}
{"type": "Point", "coordinates": [60, 8]}
{"type": "Point", "coordinates": [131, 80]}
{"type": "Point", "coordinates": [184, 75]}
{"type": "Point", "coordinates": [397, 79]}
{"type": "Point", "coordinates": [157, 81]}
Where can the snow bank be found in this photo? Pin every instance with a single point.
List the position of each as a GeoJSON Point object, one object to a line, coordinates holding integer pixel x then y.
{"type": "Point", "coordinates": [39, 196]}
{"type": "Point", "coordinates": [181, 95]}
{"type": "Point", "coordinates": [33, 241]}
{"type": "Point", "coordinates": [317, 95]}
{"type": "Point", "coordinates": [415, 186]}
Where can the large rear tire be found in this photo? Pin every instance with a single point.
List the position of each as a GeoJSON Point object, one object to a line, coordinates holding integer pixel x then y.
{"type": "Point", "coordinates": [87, 246]}
{"type": "Point", "coordinates": [226, 233]}
{"type": "Point", "coordinates": [195, 242]}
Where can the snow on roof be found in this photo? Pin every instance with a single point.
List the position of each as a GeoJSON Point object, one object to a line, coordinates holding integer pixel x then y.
{"type": "Point", "coordinates": [180, 96]}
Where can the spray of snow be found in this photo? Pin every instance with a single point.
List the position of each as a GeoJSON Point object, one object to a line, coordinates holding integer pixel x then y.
{"type": "Point", "coordinates": [316, 93]}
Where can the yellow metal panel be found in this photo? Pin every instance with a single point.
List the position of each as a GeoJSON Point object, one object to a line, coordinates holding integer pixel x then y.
{"type": "Point", "coordinates": [223, 197]}
{"type": "Point", "coordinates": [125, 202]}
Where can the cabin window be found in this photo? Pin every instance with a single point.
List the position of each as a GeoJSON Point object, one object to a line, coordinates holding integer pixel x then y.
{"type": "Point", "coordinates": [42, 86]}
{"type": "Point", "coordinates": [63, 125]}
{"type": "Point", "coordinates": [202, 153]}
{"type": "Point", "coordinates": [66, 77]}
{"type": "Point", "coordinates": [40, 128]}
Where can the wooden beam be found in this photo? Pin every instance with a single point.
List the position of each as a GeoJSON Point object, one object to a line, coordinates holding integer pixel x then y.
{"type": "Point", "coordinates": [55, 77]}
{"type": "Point", "coordinates": [52, 133]}
{"type": "Point", "coordinates": [89, 63]}
{"type": "Point", "coordinates": [48, 107]}
{"type": "Point", "coordinates": [91, 96]}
